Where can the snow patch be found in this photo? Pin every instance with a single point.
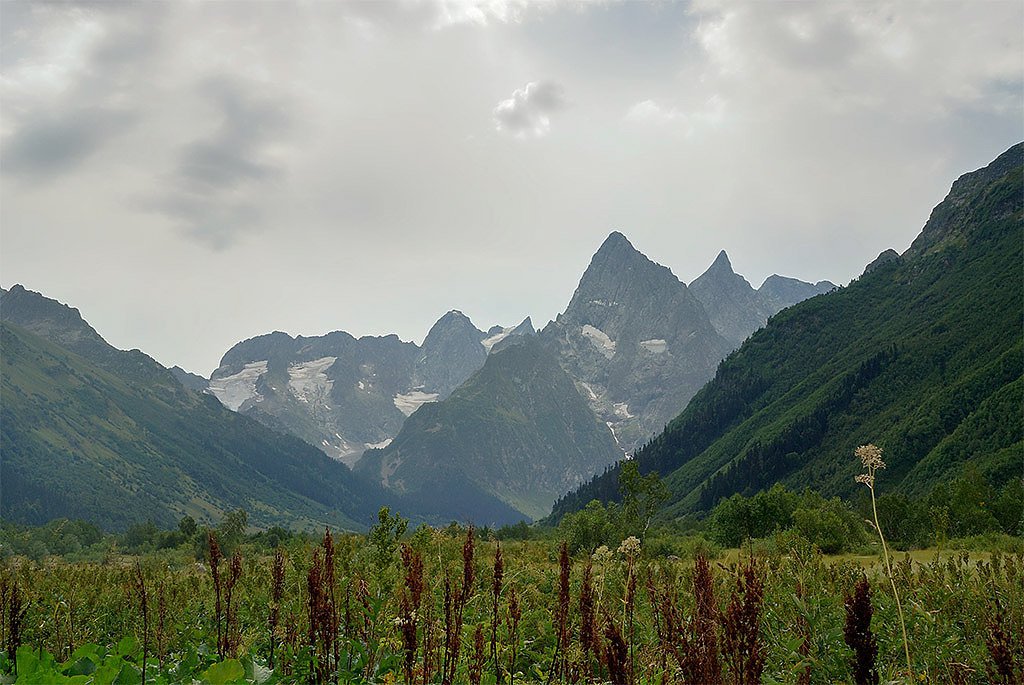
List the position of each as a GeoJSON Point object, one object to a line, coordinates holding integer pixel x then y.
{"type": "Point", "coordinates": [600, 340]}
{"type": "Point", "coordinates": [362, 386]}
{"type": "Point", "coordinates": [411, 401]}
{"type": "Point", "coordinates": [309, 382]}
{"type": "Point", "coordinates": [655, 345]}
{"type": "Point", "coordinates": [493, 340]}
{"type": "Point", "coordinates": [234, 390]}
{"type": "Point", "coordinates": [622, 410]}
{"type": "Point", "coordinates": [378, 445]}
{"type": "Point", "coordinates": [590, 391]}
{"type": "Point", "coordinates": [604, 303]}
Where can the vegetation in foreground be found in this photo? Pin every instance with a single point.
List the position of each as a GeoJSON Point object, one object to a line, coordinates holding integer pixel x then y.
{"type": "Point", "coordinates": [574, 604]}
{"type": "Point", "coordinates": [449, 605]}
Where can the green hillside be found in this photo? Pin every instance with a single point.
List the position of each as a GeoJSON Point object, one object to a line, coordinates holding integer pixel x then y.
{"type": "Point", "coordinates": [79, 441]}
{"type": "Point", "coordinates": [922, 356]}
{"type": "Point", "coordinates": [517, 430]}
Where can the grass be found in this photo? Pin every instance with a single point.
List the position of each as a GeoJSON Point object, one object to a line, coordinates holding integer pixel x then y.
{"type": "Point", "coordinates": [949, 598]}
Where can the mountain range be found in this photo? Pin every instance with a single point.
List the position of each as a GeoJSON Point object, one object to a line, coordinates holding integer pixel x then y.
{"type": "Point", "coordinates": [922, 355]}
{"type": "Point", "coordinates": [633, 345]}
{"type": "Point", "coordinates": [89, 431]}
{"type": "Point", "coordinates": [343, 394]}
{"type": "Point", "coordinates": [719, 387]}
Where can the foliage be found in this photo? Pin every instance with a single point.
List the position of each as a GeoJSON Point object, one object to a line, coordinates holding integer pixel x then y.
{"type": "Point", "coordinates": [331, 607]}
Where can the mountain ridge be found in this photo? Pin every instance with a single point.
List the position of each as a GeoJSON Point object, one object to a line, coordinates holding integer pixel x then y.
{"type": "Point", "coordinates": [922, 356]}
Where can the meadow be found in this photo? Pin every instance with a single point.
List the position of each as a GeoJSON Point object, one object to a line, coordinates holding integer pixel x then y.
{"type": "Point", "coordinates": [455, 605]}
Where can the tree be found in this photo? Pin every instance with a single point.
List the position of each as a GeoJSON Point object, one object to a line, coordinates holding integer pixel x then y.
{"type": "Point", "coordinates": [642, 496]}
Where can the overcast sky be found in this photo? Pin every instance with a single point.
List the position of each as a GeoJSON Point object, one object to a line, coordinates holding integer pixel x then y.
{"type": "Point", "coordinates": [192, 174]}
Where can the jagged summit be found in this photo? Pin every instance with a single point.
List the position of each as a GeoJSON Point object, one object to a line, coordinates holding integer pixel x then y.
{"type": "Point", "coordinates": [721, 263]}
{"type": "Point", "coordinates": [635, 339]}
{"type": "Point", "coordinates": [731, 302]}
{"type": "Point", "coordinates": [885, 257]}
{"type": "Point", "coordinates": [615, 238]}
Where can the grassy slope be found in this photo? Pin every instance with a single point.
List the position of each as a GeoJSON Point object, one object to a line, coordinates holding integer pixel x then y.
{"type": "Point", "coordinates": [923, 358]}
{"type": "Point", "coordinates": [81, 441]}
{"type": "Point", "coordinates": [515, 430]}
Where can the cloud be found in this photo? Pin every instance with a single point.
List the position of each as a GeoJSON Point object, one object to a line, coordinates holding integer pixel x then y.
{"type": "Point", "coordinates": [217, 184]}
{"type": "Point", "coordinates": [63, 89]}
{"type": "Point", "coordinates": [708, 115]}
{"type": "Point", "coordinates": [53, 145]}
{"type": "Point", "coordinates": [528, 112]}
{"type": "Point", "coordinates": [648, 111]}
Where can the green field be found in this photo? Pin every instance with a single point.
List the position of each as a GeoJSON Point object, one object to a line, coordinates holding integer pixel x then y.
{"type": "Point", "coordinates": [373, 614]}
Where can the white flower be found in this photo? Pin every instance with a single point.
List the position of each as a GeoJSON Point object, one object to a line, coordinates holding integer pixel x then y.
{"type": "Point", "coordinates": [870, 456]}
{"type": "Point", "coordinates": [630, 546]}
{"type": "Point", "coordinates": [602, 555]}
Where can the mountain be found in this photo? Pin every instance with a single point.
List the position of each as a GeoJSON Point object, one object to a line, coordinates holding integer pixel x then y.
{"type": "Point", "coordinates": [65, 326]}
{"type": "Point", "coordinates": [778, 292]}
{"type": "Point", "coordinates": [345, 395]}
{"type": "Point", "coordinates": [451, 352]}
{"type": "Point", "coordinates": [189, 380]}
{"type": "Point", "coordinates": [517, 430]}
{"type": "Point", "coordinates": [736, 310]}
{"type": "Point", "coordinates": [922, 356]}
{"type": "Point", "coordinates": [112, 437]}
{"type": "Point", "coordinates": [88, 437]}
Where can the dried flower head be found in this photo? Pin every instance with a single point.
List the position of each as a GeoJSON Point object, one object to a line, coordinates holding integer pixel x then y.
{"type": "Point", "coordinates": [870, 456]}
{"type": "Point", "coordinates": [602, 555]}
{"type": "Point", "coordinates": [630, 547]}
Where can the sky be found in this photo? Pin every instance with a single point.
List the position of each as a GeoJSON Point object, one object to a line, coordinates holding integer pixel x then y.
{"type": "Point", "coordinates": [192, 174]}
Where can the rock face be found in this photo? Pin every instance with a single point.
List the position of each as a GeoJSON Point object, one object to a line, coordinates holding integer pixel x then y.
{"type": "Point", "coordinates": [780, 292]}
{"type": "Point", "coordinates": [517, 429]}
{"type": "Point", "coordinates": [635, 340]}
{"type": "Point", "coordinates": [345, 395]}
{"type": "Point", "coordinates": [736, 310]}
{"type": "Point", "coordinates": [451, 352]}
{"type": "Point", "coordinates": [948, 219]}
{"type": "Point", "coordinates": [886, 257]}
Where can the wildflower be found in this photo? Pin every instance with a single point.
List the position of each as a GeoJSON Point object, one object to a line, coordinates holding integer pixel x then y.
{"type": "Point", "coordinates": [870, 456]}
{"type": "Point", "coordinates": [630, 547]}
{"type": "Point", "coordinates": [602, 555]}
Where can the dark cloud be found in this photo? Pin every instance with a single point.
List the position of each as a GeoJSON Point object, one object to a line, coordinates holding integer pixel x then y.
{"type": "Point", "coordinates": [527, 113]}
{"type": "Point", "coordinates": [216, 187]}
{"type": "Point", "coordinates": [48, 147]}
{"type": "Point", "coordinates": [50, 137]}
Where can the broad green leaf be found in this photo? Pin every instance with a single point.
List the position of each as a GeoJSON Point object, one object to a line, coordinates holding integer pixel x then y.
{"type": "Point", "coordinates": [83, 666]}
{"type": "Point", "coordinates": [225, 672]}
{"type": "Point", "coordinates": [127, 646]}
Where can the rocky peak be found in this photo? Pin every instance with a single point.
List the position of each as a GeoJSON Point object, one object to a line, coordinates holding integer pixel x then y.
{"type": "Point", "coordinates": [947, 219]}
{"type": "Point", "coordinates": [622, 287]}
{"type": "Point", "coordinates": [885, 257]}
{"type": "Point", "coordinates": [525, 327]}
{"type": "Point", "coordinates": [52, 320]}
{"type": "Point", "coordinates": [731, 302]}
{"type": "Point", "coordinates": [780, 292]}
{"type": "Point", "coordinates": [721, 264]}
{"type": "Point", "coordinates": [451, 352]}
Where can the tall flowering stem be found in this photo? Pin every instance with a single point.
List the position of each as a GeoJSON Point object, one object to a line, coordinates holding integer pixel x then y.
{"type": "Point", "coordinates": [871, 459]}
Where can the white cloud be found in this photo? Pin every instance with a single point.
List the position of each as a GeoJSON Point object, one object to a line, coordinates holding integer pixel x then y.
{"type": "Point", "coordinates": [528, 112]}
{"type": "Point", "coordinates": [649, 111]}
